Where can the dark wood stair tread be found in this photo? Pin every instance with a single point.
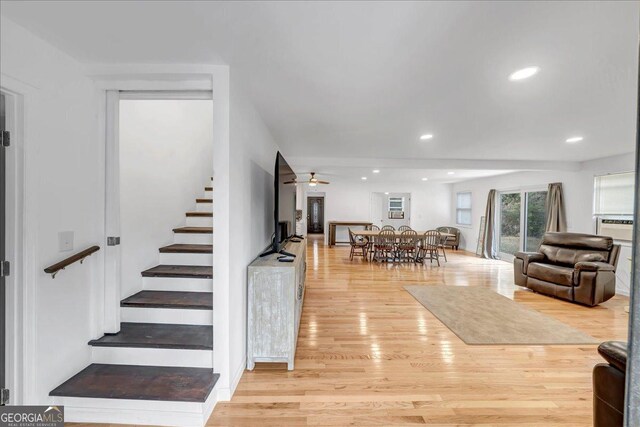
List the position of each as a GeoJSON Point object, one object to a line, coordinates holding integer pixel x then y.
{"type": "Point", "coordinates": [208, 188]}
{"type": "Point", "coordinates": [204, 200]}
{"type": "Point", "coordinates": [200, 214]}
{"type": "Point", "coordinates": [188, 271]}
{"type": "Point", "coordinates": [184, 248]}
{"type": "Point", "coordinates": [194, 230]}
{"type": "Point", "coordinates": [159, 335]}
{"type": "Point", "coordinates": [140, 383]}
{"type": "Point", "coordinates": [170, 299]}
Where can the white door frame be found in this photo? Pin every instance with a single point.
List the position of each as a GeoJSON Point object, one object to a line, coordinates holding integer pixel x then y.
{"type": "Point", "coordinates": [184, 77]}
{"type": "Point", "coordinates": [21, 207]}
{"type": "Point", "coordinates": [112, 252]}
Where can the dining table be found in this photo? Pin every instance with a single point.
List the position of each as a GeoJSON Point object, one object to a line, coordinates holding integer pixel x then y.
{"type": "Point", "coordinates": [372, 234]}
{"type": "Point", "coordinates": [398, 233]}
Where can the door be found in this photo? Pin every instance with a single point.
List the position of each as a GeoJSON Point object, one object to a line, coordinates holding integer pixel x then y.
{"type": "Point", "coordinates": [536, 220]}
{"type": "Point", "coordinates": [510, 210]}
{"type": "Point", "coordinates": [522, 221]}
{"type": "Point", "coordinates": [3, 308]}
{"type": "Point", "coordinates": [315, 214]}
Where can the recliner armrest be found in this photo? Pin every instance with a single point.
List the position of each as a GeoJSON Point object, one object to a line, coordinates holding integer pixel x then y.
{"type": "Point", "coordinates": [615, 353]}
{"type": "Point", "coordinates": [593, 266]}
{"type": "Point", "coordinates": [528, 257]}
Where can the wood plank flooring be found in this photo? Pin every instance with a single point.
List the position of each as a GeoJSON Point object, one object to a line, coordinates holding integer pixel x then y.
{"type": "Point", "coordinates": [369, 354]}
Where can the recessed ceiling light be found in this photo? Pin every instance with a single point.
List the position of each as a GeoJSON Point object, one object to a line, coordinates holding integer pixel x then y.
{"type": "Point", "coordinates": [376, 171]}
{"type": "Point", "coordinates": [364, 178]}
{"type": "Point", "coordinates": [574, 139]}
{"type": "Point", "coordinates": [425, 179]}
{"type": "Point", "coordinates": [386, 192]}
{"type": "Point", "coordinates": [524, 73]}
{"type": "Point", "coordinates": [426, 136]}
{"type": "Point", "coordinates": [451, 173]}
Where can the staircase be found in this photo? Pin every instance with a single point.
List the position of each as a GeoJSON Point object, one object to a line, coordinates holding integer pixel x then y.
{"type": "Point", "coordinates": [159, 368]}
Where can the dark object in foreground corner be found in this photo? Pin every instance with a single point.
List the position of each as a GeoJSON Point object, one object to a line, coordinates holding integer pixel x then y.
{"type": "Point", "coordinates": [609, 384]}
{"type": "Point", "coordinates": [572, 266]}
{"type": "Point", "coordinates": [80, 256]}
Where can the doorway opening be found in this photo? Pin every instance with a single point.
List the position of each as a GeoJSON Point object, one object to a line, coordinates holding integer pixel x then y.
{"type": "Point", "coordinates": [392, 209]}
{"type": "Point", "coordinates": [315, 215]}
{"type": "Point", "coordinates": [159, 168]}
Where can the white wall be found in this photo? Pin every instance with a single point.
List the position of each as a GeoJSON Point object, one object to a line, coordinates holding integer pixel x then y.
{"type": "Point", "coordinates": [578, 193]}
{"type": "Point", "coordinates": [252, 162]}
{"type": "Point", "coordinates": [166, 157]}
{"type": "Point", "coordinates": [63, 172]}
{"type": "Point", "coordinates": [351, 201]}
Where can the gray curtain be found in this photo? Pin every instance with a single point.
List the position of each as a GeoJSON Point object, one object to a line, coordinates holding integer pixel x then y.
{"type": "Point", "coordinates": [556, 216]}
{"type": "Point", "coordinates": [489, 249]}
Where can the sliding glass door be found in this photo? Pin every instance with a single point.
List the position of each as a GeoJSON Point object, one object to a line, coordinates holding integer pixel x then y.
{"type": "Point", "coordinates": [536, 219]}
{"type": "Point", "coordinates": [521, 219]}
{"type": "Point", "coordinates": [510, 221]}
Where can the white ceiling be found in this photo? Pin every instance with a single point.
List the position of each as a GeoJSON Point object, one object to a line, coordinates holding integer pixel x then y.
{"type": "Point", "coordinates": [365, 79]}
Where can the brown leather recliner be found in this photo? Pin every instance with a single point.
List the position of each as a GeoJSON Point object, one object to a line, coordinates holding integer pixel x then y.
{"type": "Point", "coordinates": [572, 266]}
{"type": "Point", "coordinates": [609, 384]}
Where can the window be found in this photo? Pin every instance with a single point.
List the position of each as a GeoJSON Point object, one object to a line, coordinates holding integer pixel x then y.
{"type": "Point", "coordinates": [463, 208]}
{"type": "Point", "coordinates": [396, 204]}
{"type": "Point", "coordinates": [614, 194]}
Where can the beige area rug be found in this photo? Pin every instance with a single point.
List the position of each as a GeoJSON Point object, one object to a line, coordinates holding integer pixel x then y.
{"type": "Point", "coordinates": [482, 316]}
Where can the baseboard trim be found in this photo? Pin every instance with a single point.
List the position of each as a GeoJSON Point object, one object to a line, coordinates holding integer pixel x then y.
{"type": "Point", "coordinates": [225, 394]}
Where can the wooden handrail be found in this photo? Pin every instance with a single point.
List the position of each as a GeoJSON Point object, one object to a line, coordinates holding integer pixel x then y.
{"type": "Point", "coordinates": [80, 256]}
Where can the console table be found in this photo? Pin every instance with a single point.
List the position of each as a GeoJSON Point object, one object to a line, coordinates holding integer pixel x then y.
{"type": "Point", "coordinates": [274, 305]}
{"type": "Point", "coordinates": [334, 224]}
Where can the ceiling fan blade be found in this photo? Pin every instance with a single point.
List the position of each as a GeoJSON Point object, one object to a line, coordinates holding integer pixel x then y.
{"type": "Point", "coordinates": [322, 182]}
{"type": "Point", "coordinates": [292, 182]}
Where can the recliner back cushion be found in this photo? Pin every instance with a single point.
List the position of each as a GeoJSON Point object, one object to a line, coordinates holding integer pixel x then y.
{"type": "Point", "coordinates": [570, 256]}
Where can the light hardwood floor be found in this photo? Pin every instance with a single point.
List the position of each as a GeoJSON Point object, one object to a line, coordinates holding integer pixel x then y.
{"type": "Point", "coordinates": [369, 354]}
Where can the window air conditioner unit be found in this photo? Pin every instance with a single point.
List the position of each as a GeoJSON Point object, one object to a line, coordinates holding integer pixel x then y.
{"type": "Point", "coordinates": [618, 229]}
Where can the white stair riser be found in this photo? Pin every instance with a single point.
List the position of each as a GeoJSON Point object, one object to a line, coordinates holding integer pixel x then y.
{"type": "Point", "coordinates": [186, 259]}
{"type": "Point", "coordinates": [138, 412]}
{"type": "Point", "coordinates": [177, 284]}
{"type": "Point", "coordinates": [199, 221]}
{"type": "Point", "coordinates": [166, 315]}
{"type": "Point", "coordinates": [208, 194]}
{"type": "Point", "coordinates": [204, 207]}
{"type": "Point", "coordinates": [193, 238]}
{"type": "Point", "coordinates": [152, 357]}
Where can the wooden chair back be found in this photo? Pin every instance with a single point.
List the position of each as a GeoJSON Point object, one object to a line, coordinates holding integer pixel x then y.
{"type": "Point", "coordinates": [432, 239]}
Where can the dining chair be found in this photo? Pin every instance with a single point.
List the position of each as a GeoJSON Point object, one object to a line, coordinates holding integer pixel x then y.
{"type": "Point", "coordinates": [441, 247]}
{"type": "Point", "coordinates": [429, 249]}
{"type": "Point", "coordinates": [359, 245]}
{"type": "Point", "coordinates": [385, 244]}
{"type": "Point", "coordinates": [404, 228]}
{"type": "Point", "coordinates": [407, 245]}
{"type": "Point", "coordinates": [388, 227]}
{"type": "Point", "coordinates": [372, 240]}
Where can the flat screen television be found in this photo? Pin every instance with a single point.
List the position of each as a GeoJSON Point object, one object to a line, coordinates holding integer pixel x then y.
{"type": "Point", "coordinates": [284, 204]}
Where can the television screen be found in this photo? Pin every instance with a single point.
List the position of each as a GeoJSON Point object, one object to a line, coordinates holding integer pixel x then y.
{"type": "Point", "coordinates": [285, 202]}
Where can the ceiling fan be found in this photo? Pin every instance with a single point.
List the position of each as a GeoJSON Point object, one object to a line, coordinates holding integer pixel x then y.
{"type": "Point", "coordinates": [313, 181]}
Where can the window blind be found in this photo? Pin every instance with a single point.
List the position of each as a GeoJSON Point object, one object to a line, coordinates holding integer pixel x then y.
{"type": "Point", "coordinates": [463, 208]}
{"type": "Point", "coordinates": [614, 194]}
